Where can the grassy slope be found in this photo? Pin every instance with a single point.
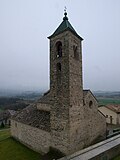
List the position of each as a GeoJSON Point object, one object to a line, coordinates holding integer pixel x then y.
{"type": "Point", "coordinates": [11, 149]}
{"type": "Point", "coordinates": [108, 101]}
{"type": "Point", "coordinates": [117, 158]}
{"type": "Point", "coordinates": [4, 134]}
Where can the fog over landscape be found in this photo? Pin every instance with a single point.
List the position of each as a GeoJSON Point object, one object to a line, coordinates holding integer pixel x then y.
{"type": "Point", "coordinates": [24, 47]}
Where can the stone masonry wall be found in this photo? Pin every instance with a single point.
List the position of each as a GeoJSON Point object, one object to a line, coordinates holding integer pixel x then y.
{"type": "Point", "coordinates": [73, 125]}
{"type": "Point", "coordinates": [105, 150]}
{"type": "Point", "coordinates": [59, 87]}
{"type": "Point", "coordinates": [95, 122]}
{"type": "Point", "coordinates": [92, 125]}
{"type": "Point", "coordinates": [76, 109]}
{"type": "Point", "coordinates": [107, 111]}
{"type": "Point", "coordinates": [34, 138]}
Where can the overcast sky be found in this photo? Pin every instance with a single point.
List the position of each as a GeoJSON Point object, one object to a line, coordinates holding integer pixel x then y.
{"type": "Point", "coordinates": [24, 47]}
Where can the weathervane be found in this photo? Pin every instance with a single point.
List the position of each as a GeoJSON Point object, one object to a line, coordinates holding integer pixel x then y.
{"type": "Point", "coordinates": [65, 14]}
{"type": "Point", "coordinates": [65, 9]}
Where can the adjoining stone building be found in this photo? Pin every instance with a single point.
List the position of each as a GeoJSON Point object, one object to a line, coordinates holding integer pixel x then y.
{"type": "Point", "coordinates": [66, 118]}
{"type": "Point", "coordinates": [112, 113]}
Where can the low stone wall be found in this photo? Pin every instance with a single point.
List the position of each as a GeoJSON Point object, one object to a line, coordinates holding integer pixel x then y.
{"type": "Point", "coordinates": [105, 150]}
{"type": "Point", "coordinates": [34, 138]}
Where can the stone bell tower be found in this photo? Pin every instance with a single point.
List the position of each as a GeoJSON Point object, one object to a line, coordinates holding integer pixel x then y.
{"type": "Point", "coordinates": [67, 88]}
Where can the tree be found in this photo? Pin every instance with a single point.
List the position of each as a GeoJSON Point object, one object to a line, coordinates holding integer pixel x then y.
{"type": "Point", "coordinates": [2, 125]}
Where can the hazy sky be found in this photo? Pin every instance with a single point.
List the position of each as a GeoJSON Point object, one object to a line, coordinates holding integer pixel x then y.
{"type": "Point", "coordinates": [24, 47]}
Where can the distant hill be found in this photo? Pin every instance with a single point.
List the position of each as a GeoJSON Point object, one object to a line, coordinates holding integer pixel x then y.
{"type": "Point", "coordinates": [17, 100]}
{"type": "Point", "coordinates": [12, 103]}
{"type": "Point", "coordinates": [105, 98]}
{"type": "Point", "coordinates": [29, 95]}
{"type": "Point", "coordinates": [107, 94]}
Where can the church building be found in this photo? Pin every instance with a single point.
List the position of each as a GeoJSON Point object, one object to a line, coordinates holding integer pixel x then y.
{"type": "Point", "coordinates": [66, 118]}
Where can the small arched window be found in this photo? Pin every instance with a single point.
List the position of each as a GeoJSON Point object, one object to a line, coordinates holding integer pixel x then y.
{"type": "Point", "coordinates": [75, 50]}
{"type": "Point", "coordinates": [59, 49]}
{"type": "Point", "coordinates": [90, 104]}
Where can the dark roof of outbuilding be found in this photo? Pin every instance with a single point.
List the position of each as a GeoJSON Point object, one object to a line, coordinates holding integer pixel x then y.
{"type": "Point", "coordinates": [65, 25]}
{"type": "Point", "coordinates": [34, 117]}
{"type": "Point", "coordinates": [4, 115]}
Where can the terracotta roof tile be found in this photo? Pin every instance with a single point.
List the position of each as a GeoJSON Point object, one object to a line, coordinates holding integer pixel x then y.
{"type": "Point", "coordinates": [115, 108]}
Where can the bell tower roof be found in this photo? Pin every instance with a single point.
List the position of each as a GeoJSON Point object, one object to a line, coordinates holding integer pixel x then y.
{"type": "Point", "coordinates": [65, 25]}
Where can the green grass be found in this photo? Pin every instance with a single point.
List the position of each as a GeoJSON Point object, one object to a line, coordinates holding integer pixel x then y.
{"type": "Point", "coordinates": [117, 158]}
{"type": "Point", "coordinates": [4, 134]}
{"type": "Point", "coordinates": [5, 127]}
{"type": "Point", "coordinates": [13, 150]}
{"type": "Point", "coordinates": [108, 101]}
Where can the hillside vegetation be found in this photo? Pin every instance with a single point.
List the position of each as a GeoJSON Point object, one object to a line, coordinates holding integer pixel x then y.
{"type": "Point", "coordinates": [13, 150]}
{"type": "Point", "coordinates": [12, 103]}
{"type": "Point", "coordinates": [105, 98]}
{"type": "Point", "coordinates": [105, 101]}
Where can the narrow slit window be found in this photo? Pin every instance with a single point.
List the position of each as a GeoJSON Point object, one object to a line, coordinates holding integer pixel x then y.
{"type": "Point", "coordinates": [58, 75]}
{"type": "Point", "coordinates": [90, 104]}
{"type": "Point", "coordinates": [76, 54]}
{"type": "Point", "coordinates": [58, 67]}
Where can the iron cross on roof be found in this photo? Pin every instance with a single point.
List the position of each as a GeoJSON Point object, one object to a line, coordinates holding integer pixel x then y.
{"type": "Point", "coordinates": [65, 9]}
